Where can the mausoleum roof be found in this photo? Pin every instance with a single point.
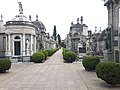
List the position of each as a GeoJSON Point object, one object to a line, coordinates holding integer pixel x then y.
{"type": "Point", "coordinates": [40, 25]}
{"type": "Point", "coordinates": [78, 25]}
{"type": "Point", "coordinates": [20, 17]}
{"type": "Point", "coordinates": [19, 20]}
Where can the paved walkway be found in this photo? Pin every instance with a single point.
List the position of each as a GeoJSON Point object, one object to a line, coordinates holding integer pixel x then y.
{"type": "Point", "coordinates": [51, 75]}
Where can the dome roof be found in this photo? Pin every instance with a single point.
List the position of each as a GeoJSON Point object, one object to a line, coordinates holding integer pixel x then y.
{"type": "Point", "coordinates": [20, 17]}
{"type": "Point", "coordinates": [19, 20]}
{"type": "Point", "coordinates": [40, 25]}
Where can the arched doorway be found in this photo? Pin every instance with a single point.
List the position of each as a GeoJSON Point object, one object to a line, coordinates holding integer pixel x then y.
{"type": "Point", "coordinates": [17, 46]}
{"type": "Point", "coordinates": [117, 56]}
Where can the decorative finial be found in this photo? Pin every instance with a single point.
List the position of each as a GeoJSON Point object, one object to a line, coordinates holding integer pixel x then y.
{"type": "Point", "coordinates": [20, 8]}
{"type": "Point", "coordinates": [72, 23]}
{"type": "Point", "coordinates": [81, 19]}
{"type": "Point", "coordinates": [1, 17]}
{"type": "Point", "coordinates": [95, 29]}
{"type": "Point", "coordinates": [36, 17]}
{"type": "Point", "coordinates": [30, 18]}
{"type": "Point", "coordinates": [77, 20]}
{"type": "Point", "coordinates": [100, 29]}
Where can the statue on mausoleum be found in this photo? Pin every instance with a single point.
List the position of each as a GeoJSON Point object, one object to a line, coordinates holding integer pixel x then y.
{"type": "Point", "coordinates": [20, 8]}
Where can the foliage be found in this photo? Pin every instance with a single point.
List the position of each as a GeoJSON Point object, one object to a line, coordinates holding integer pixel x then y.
{"type": "Point", "coordinates": [49, 52]}
{"type": "Point", "coordinates": [90, 62]}
{"type": "Point", "coordinates": [52, 51]}
{"type": "Point", "coordinates": [69, 56]}
{"type": "Point", "coordinates": [5, 64]}
{"type": "Point", "coordinates": [64, 53]}
{"type": "Point", "coordinates": [65, 50]}
{"type": "Point", "coordinates": [55, 33]}
{"type": "Point", "coordinates": [59, 39]}
{"type": "Point", "coordinates": [38, 57]}
{"type": "Point", "coordinates": [45, 53]}
{"type": "Point", "coordinates": [109, 72]}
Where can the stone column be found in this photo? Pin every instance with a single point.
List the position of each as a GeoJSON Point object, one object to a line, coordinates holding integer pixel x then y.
{"type": "Point", "coordinates": [9, 45]}
{"type": "Point", "coordinates": [23, 44]}
{"type": "Point", "coordinates": [31, 46]}
{"type": "Point", "coordinates": [6, 48]}
{"type": "Point", "coordinates": [35, 44]}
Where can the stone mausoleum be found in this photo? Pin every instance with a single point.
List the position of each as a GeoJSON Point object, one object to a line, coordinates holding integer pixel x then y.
{"type": "Point", "coordinates": [20, 38]}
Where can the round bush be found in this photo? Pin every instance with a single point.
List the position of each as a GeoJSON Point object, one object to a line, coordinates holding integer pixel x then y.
{"type": "Point", "coordinates": [90, 62]}
{"type": "Point", "coordinates": [52, 51]}
{"type": "Point", "coordinates": [5, 64]}
{"type": "Point", "coordinates": [64, 53]}
{"type": "Point", "coordinates": [38, 57]}
{"type": "Point", "coordinates": [49, 52]}
{"type": "Point", "coordinates": [64, 56]}
{"type": "Point", "coordinates": [70, 56]}
{"type": "Point", "coordinates": [65, 50]}
{"type": "Point", "coordinates": [109, 72]}
{"type": "Point", "coordinates": [45, 53]}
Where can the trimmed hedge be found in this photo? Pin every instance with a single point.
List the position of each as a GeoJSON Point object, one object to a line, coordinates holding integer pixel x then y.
{"type": "Point", "coordinates": [5, 64]}
{"type": "Point", "coordinates": [70, 56]}
{"type": "Point", "coordinates": [49, 52]}
{"type": "Point", "coordinates": [45, 53]}
{"type": "Point", "coordinates": [38, 57]}
{"type": "Point", "coordinates": [52, 51]}
{"type": "Point", "coordinates": [109, 72]}
{"type": "Point", "coordinates": [64, 53]}
{"type": "Point", "coordinates": [90, 62]}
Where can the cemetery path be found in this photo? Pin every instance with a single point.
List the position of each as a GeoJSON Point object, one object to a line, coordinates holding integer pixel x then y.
{"type": "Point", "coordinates": [54, 74]}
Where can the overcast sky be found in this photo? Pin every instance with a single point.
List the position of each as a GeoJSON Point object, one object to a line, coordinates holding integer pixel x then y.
{"type": "Point", "coordinates": [59, 12]}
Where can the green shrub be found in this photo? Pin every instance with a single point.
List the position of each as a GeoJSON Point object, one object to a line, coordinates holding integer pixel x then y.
{"type": "Point", "coordinates": [64, 56]}
{"type": "Point", "coordinates": [52, 51]}
{"type": "Point", "coordinates": [90, 62]}
{"type": "Point", "coordinates": [109, 72]}
{"type": "Point", "coordinates": [65, 50]}
{"type": "Point", "coordinates": [38, 57]}
{"type": "Point", "coordinates": [70, 56]}
{"type": "Point", "coordinates": [45, 53]}
{"type": "Point", "coordinates": [49, 52]}
{"type": "Point", "coordinates": [64, 53]}
{"type": "Point", "coordinates": [5, 64]}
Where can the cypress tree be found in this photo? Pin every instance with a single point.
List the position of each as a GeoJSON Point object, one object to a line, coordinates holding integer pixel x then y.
{"type": "Point", "coordinates": [55, 33]}
{"type": "Point", "coordinates": [59, 39]}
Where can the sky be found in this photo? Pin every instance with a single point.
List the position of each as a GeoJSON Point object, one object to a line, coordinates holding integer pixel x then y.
{"type": "Point", "coordinates": [59, 12]}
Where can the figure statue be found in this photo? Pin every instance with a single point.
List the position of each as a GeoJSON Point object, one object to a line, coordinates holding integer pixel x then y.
{"type": "Point", "coordinates": [36, 17]}
{"type": "Point", "coordinates": [27, 44]}
{"type": "Point", "coordinates": [20, 8]}
{"type": "Point", "coordinates": [30, 18]}
{"type": "Point", "coordinates": [81, 19]}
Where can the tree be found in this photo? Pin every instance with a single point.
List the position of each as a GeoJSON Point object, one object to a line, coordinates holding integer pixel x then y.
{"type": "Point", "coordinates": [59, 39]}
{"type": "Point", "coordinates": [55, 33]}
